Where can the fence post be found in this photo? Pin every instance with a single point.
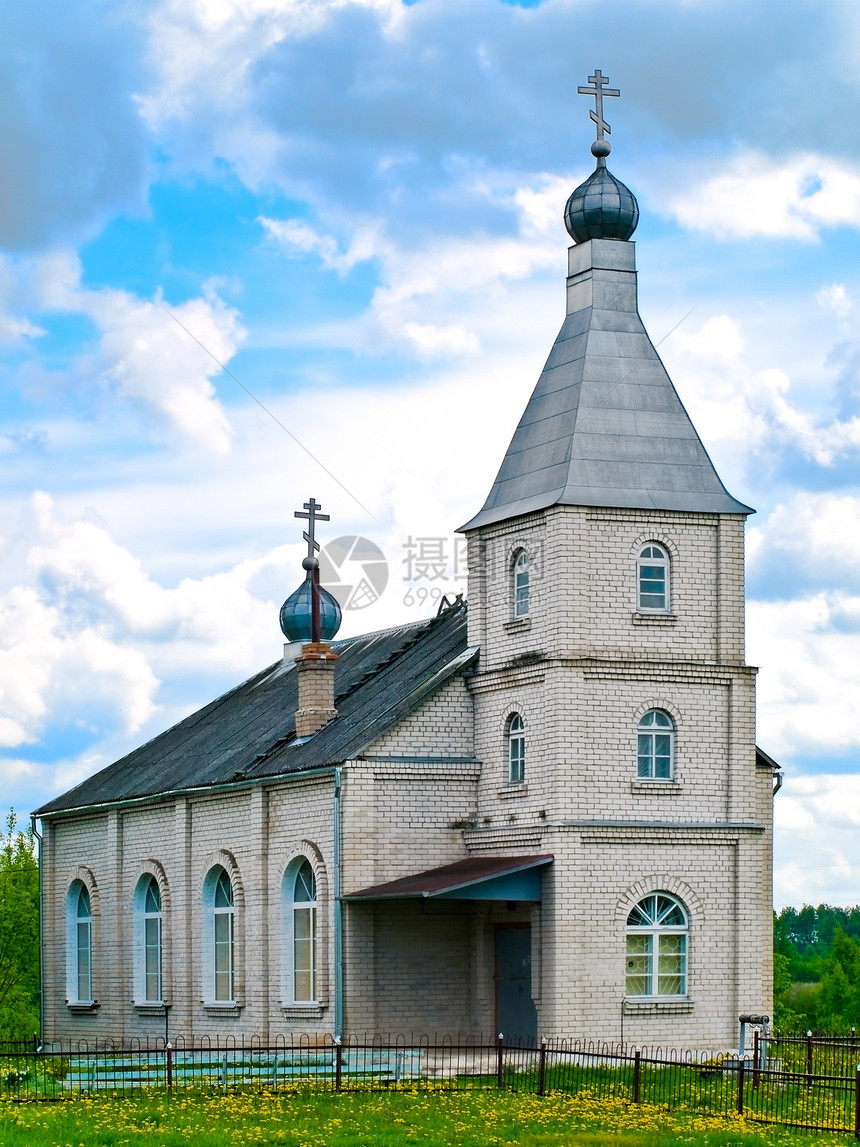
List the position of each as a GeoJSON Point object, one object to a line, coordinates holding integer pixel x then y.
{"type": "Point", "coordinates": [741, 1066]}
{"type": "Point", "coordinates": [637, 1074]}
{"type": "Point", "coordinates": [857, 1103]}
{"type": "Point", "coordinates": [809, 1053]}
{"type": "Point", "coordinates": [338, 1064]}
{"type": "Point", "coordinates": [500, 1067]}
{"type": "Point", "coordinates": [168, 1065]}
{"type": "Point", "coordinates": [542, 1069]}
{"type": "Point", "coordinates": [756, 1059]}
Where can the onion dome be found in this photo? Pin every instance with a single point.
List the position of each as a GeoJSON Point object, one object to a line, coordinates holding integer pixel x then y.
{"type": "Point", "coordinates": [296, 613]}
{"type": "Point", "coordinates": [601, 208]}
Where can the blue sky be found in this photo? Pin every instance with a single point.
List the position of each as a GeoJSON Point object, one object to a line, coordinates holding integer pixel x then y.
{"type": "Point", "coordinates": [357, 206]}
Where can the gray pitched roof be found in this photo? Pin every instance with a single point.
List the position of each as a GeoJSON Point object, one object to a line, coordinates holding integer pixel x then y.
{"type": "Point", "coordinates": [250, 732]}
{"type": "Point", "coordinates": [604, 425]}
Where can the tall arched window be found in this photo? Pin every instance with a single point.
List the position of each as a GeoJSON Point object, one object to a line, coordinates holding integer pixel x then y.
{"type": "Point", "coordinates": [516, 750]}
{"type": "Point", "coordinates": [652, 575]}
{"type": "Point", "coordinates": [149, 938]}
{"type": "Point", "coordinates": [657, 930]}
{"type": "Point", "coordinates": [79, 945]}
{"type": "Point", "coordinates": [521, 584]}
{"type": "Point", "coordinates": [300, 912]}
{"type": "Point", "coordinates": [219, 940]}
{"type": "Point", "coordinates": [656, 746]}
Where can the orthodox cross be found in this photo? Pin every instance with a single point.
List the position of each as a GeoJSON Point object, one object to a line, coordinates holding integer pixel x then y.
{"type": "Point", "coordinates": [598, 91]}
{"type": "Point", "coordinates": [313, 517]}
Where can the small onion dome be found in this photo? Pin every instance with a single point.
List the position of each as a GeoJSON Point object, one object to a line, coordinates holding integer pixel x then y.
{"type": "Point", "coordinates": [296, 614]}
{"type": "Point", "coordinates": [601, 208]}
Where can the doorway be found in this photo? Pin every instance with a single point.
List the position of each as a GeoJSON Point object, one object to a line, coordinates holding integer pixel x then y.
{"type": "Point", "coordinates": [516, 1015]}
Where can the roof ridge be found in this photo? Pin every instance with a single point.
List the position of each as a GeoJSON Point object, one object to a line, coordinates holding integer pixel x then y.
{"type": "Point", "coordinates": [384, 632]}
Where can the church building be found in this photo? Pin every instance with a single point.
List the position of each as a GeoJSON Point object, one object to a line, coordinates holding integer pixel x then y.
{"type": "Point", "coordinates": [540, 813]}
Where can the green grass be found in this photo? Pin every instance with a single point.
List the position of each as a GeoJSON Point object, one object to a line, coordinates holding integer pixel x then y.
{"type": "Point", "coordinates": [427, 1119]}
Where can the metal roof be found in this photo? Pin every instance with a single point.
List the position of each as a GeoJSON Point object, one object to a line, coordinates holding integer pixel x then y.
{"type": "Point", "coordinates": [472, 878]}
{"type": "Point", "coordinates": [604, 425]}
{"type": "Point", "coordinates": [250, 734]}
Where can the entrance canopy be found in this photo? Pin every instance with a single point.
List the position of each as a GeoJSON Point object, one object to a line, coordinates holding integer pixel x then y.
{"type": "Point", "coordinates": [477, 878]}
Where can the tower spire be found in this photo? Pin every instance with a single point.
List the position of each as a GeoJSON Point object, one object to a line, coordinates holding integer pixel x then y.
{"type": "Point", "coordinates": [604, 426]}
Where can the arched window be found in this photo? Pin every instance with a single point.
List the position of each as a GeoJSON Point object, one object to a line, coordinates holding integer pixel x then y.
{"type": "Point", "coordinates": [657, 931]}
{"type": "Point", "coordinates": [149, 933]}
{"type": "Point", "coordinates": [79, 945]}
{"type": "Point", "coordinates": [652, 571]}
{"type": "Point", "coordinates": [300, 940]}
{"type": "Point", "coordinates": [516, 750]}
{"type": "Point", "coordinates": [521, 584]}
{"type": "Point", "coordinates": [656, 746]}
{"type": "Point", "coordinates": [219, 937]}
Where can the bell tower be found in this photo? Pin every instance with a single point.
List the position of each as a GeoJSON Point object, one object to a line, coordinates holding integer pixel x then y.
{"type": "Point", "coordinates": [614, 710]}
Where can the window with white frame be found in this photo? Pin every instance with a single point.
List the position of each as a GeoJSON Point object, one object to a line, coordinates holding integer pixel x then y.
{"type": "Point", "coordinates": [79, 944]}
{"type": "Point", "coordinates": [300, 939]}
{"type": "Point", "coordinates": [516, 749]}
{"type": "Point", "coordinates": [521, 584]}
{"type": "Point", "coordinates": [657, 930]}
{"type": "Point", "coordinates": [652, 576]}
{"type": "Point", "coordinates": [219, 947]}
{"type": "Point", "coordinates": [656, 746]}
{"type": "Point", "coordinates": [149, 940]}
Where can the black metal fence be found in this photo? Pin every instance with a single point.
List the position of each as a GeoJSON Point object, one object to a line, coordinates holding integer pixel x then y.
{"type": "Point", "coordinates": [817, 1054]}
{"type": "Point", "coordinates": [764, 1088]}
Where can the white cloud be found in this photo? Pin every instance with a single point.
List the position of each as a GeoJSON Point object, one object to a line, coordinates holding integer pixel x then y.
{"type": "Point", "coordinates": [744, 412]}
{"type": "Point", "coordinates": [460, 288]}
{"type": "Point", "coordinates": [206, 48]}
{"type": "Point", "coordinates": [808, 690]}
{"type": "Point", "coordinates": [430, 340]}
{"type": "Point", "coordinates": [817, 533]}
{"type": "Point", "coordinates": [541, 206]}
{"type": "Point", "coordinates": [817, 851]}
{"type": "Point", "coordinates": [836, 299]}
{"type": "Point", "coordinates": [295, 235]}
{"type": "Point", "coordinates": [757, 195]}
{"type": "Point", "coordinates": [146, 357]}
{"type": "Point", "coordinates": [435, 296]}
{"type": "Point", "coordinates": [142, 357]}
{"type": "Point", "coordinates": [86, 634]}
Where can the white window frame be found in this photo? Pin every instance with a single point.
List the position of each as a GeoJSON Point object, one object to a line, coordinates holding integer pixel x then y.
{"type": "Point", "coordinates": [654, 561]}
{"type": "Point", "coordinates": [655, 746]}
{"type": "Point", "coordinates": [521, 585]}
{"type": "Point", "coordinates": [219, 938]}
{"type": "Point", "coordinates": [79, 944]}
{"type": "Point", "coordinates": [301, 951]}
{"type": "Point", "coordinates": [657, 949]}
{"type": "Point", "coordinates": [148, 943]}
{"type": "Point", "coordinates": [516, 749]}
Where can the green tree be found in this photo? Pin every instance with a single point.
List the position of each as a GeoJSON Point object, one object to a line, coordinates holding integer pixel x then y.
{"type": "Point", "coordinates": [19, 932]}
{"type": "Point", "coordinates": [839, 998]}
{"type": "Point", "coordinates": [785, 1016]}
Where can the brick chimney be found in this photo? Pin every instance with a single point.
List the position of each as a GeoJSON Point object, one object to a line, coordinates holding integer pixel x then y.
{"type": "Point", "coordinates": [315, 668]}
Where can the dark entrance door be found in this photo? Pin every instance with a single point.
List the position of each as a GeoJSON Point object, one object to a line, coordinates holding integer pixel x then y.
{"type": "Point", "coordinates": [516, 1017]}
